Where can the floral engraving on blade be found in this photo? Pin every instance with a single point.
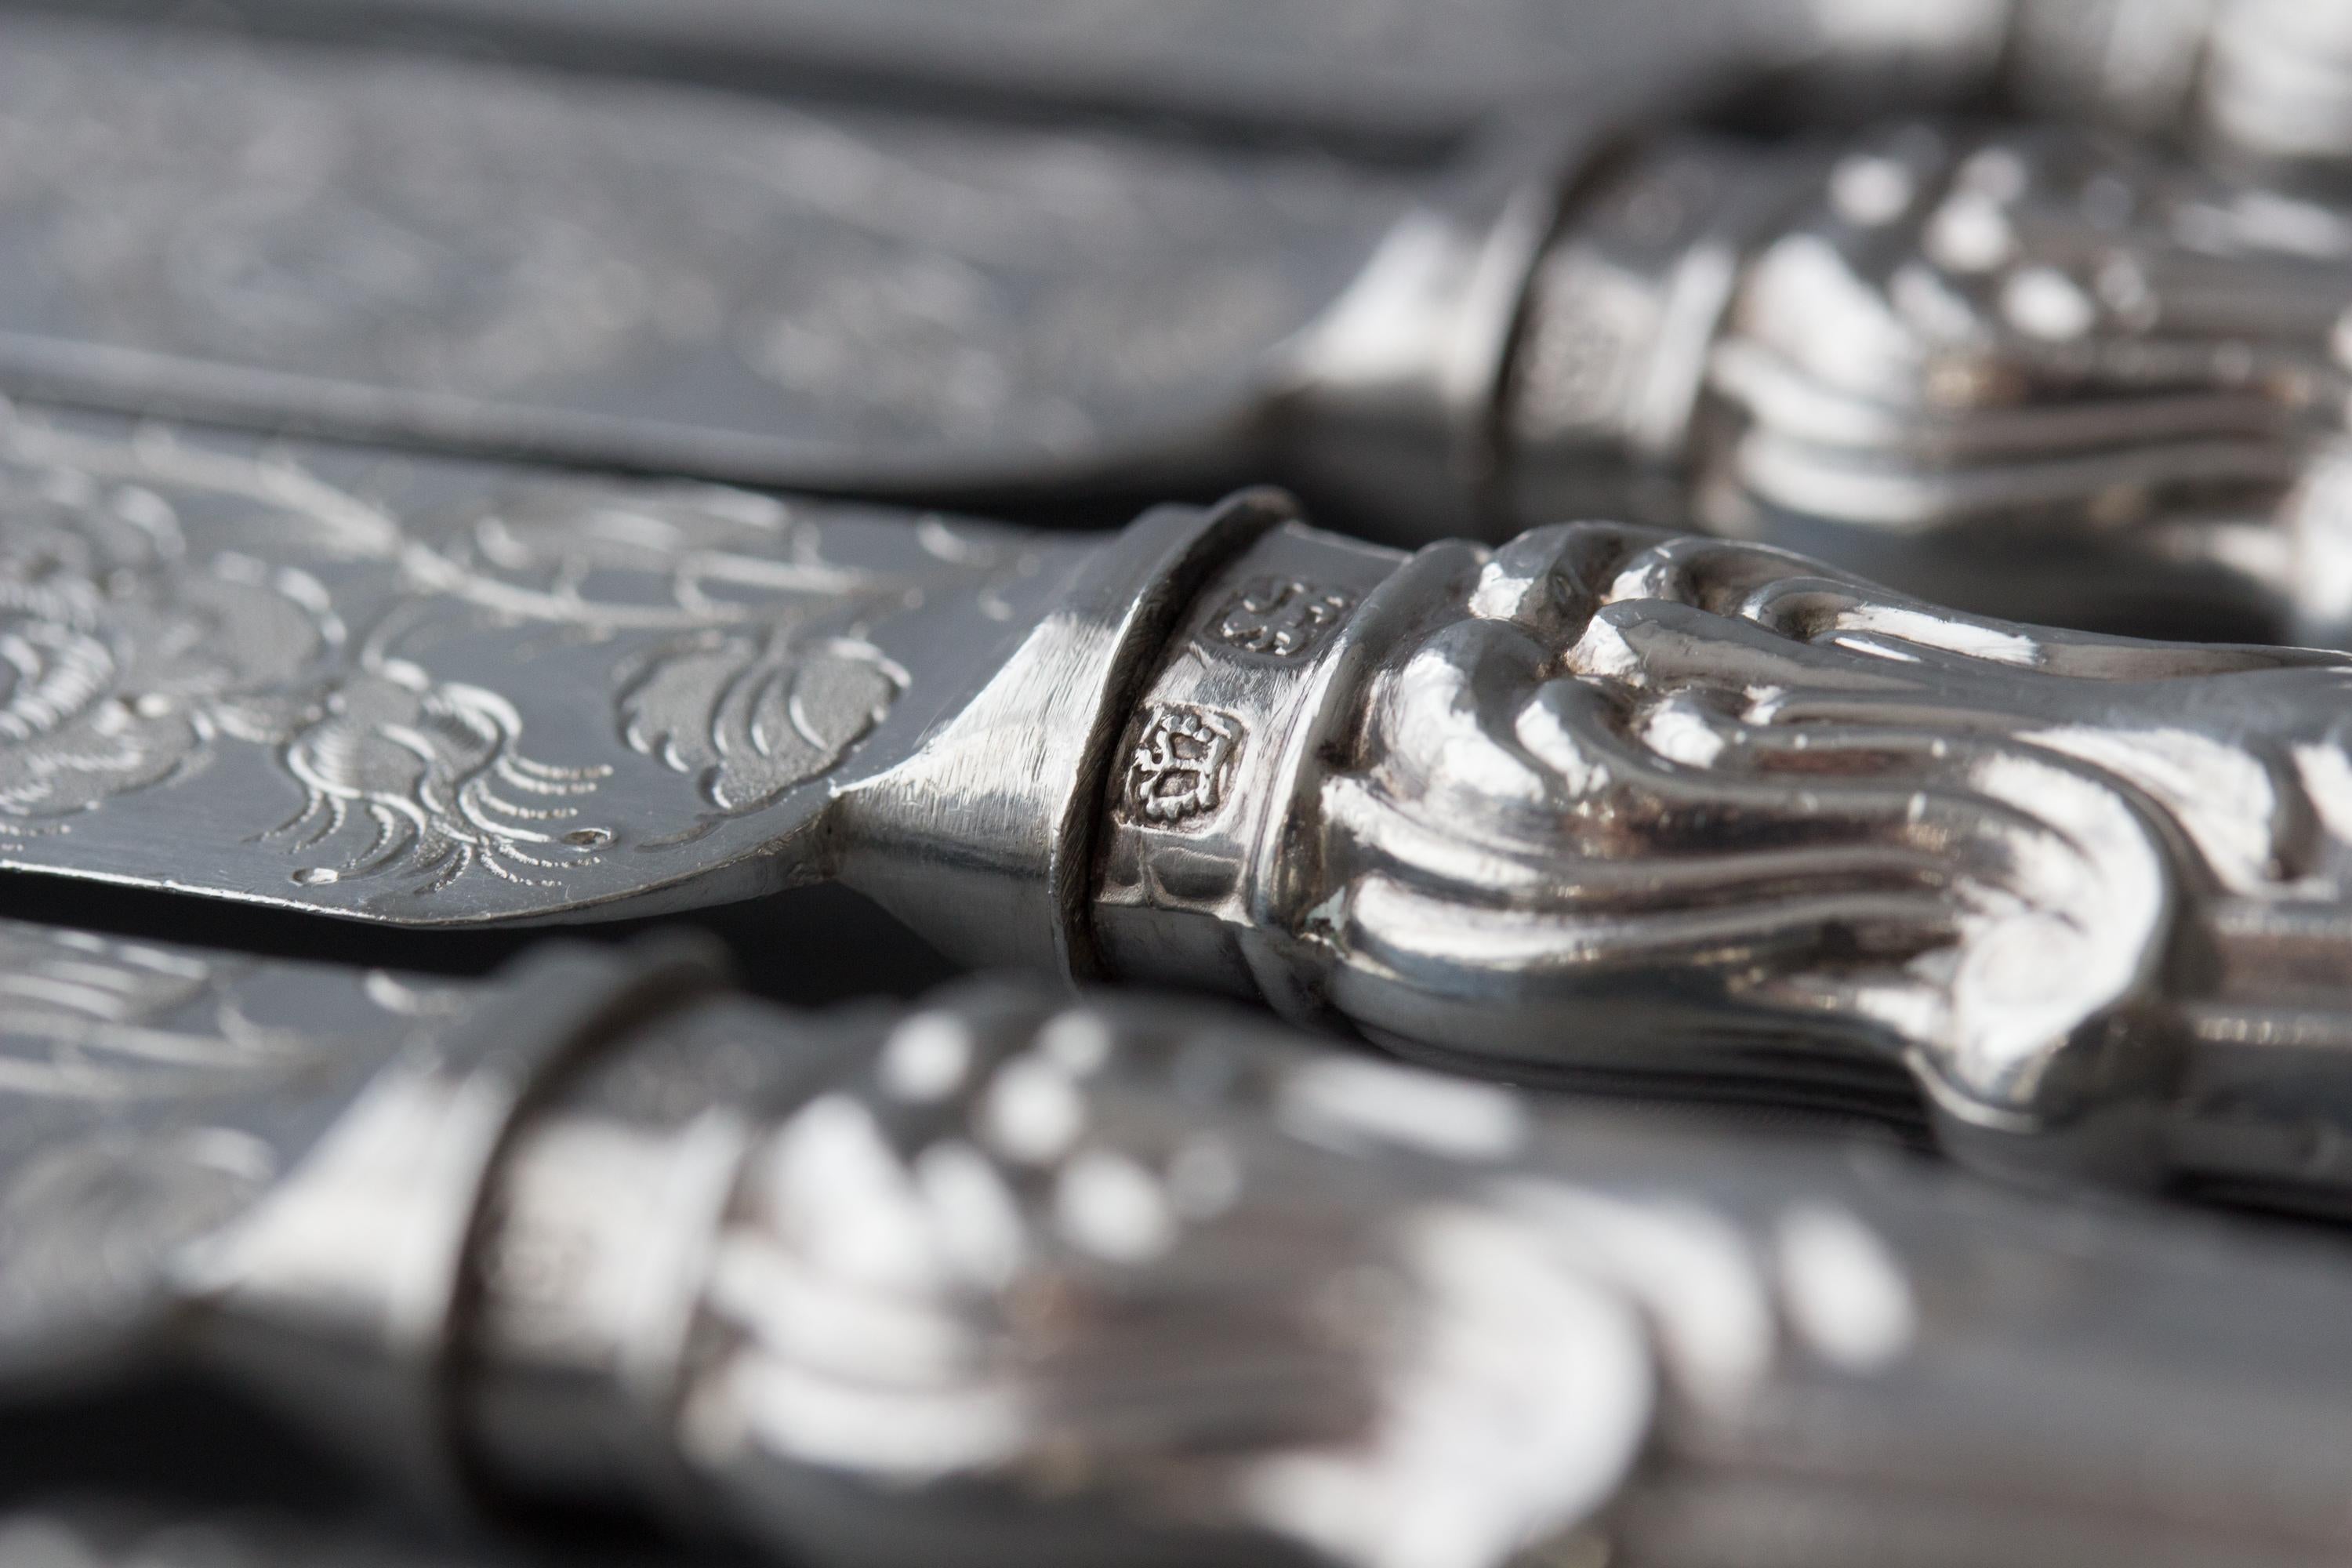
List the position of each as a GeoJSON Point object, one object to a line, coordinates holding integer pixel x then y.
{"type": "Point", "coordinates": [166, 609]}
{"type": "Point", "coordinates": [141, 1083]}
{"type": "Point", "coordinates": [1181, 764]}
{"type": "Point", "coordinates": [434, 771]}
{"type": "Point", "coordinates": [746, 659]}
{"type": "Point", "coordinates": [122, 664]}
{"type": "Point", "coordinates": [1280, 616]}
{"type": "Point", "coordinates": [769, 676]}
{"type": "Point", "coordinates": [99, 1040]}
{"type": "Point", "coordinates": [753, 716]}
{"type": "Point", "coordinates": [131, 656]}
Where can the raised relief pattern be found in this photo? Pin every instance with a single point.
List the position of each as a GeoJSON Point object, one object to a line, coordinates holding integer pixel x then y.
{"type": "Point", "coordinates": [2043, 337]}
{"type": "Point", "coordinates": [128, 1070]}
{"type": "Point", "coordinates": [1181, 764]}
{"type": "Point", "coordinates": [1634, 783]}
{"type": "Point", "coordinates": [1340, 1252]}
{"type": "Point", "coordinates": [1280, 616]}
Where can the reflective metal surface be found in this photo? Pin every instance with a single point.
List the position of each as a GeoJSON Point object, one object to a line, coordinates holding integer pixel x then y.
{"type": "Point", "coordinates": [475, 256]}
{"type": "Point", "coordinates": [2035, 371]}
{"type": "Point", "coordinates": [1378, 75]}
{"type": "Point", "coordinates": [371, 599]}
{"type": "Point", "coordinates": [1598, 803]}
{"type": "Point", "coordinates": [1008, 1278]}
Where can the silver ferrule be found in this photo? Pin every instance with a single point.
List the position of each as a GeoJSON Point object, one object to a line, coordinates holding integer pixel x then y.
{"type": "Point", "coordinates": [1622, 316]}
{"type": "Point", "coordinates": [596, 1252]}
{"type": "Point", "coordinates": [346, 1291]}
{"type": "Point", "coordinates": [982, 839]}
{"type": "Point", "coordinates": [1205, 829]}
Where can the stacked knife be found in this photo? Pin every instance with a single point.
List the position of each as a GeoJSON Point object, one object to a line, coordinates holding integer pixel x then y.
{"type": "Point", "coordinates": [1637, 592]}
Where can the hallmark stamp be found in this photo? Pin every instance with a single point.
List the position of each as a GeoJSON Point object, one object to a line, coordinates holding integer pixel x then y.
{"type": "Point", "coordinates": [1181, 764]}
{"type": "Point", "coordinates": [1280, 616]}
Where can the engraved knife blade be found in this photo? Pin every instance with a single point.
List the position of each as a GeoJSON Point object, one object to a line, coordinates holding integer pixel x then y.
{"type": "Point", "coordinates": [1119, 1280]}
{"type": "Point", "coordinates": [483, 256]}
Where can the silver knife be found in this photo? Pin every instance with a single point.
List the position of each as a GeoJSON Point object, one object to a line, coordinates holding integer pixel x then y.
{"type": "Point", "coordinates": [1925, 353]}
{"type": "Point", "coordinates": [1600, 804]}
{"type": "Point", "coordinates": [1009, 1280]}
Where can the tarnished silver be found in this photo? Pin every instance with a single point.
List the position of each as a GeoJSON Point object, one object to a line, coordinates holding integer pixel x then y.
{"type": "Point", "coordinates": [2040, 373]}
{"type": "Point", "coordinates": [1008, 1279]}
{"type": "Point", "coordinates": [1598, 804]}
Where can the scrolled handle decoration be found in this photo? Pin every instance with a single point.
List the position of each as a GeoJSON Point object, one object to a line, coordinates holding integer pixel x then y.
{"type": "Point", "coordinates": [1603, 802]}
{"type": "Point", "coordinates": [2040, 372]}
{"type": "Point", "coordinates": [1120, 1280]}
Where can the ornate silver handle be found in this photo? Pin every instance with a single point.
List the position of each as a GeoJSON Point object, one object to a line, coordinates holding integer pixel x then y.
{"type": "Point", "coordinates": [2266, 81]}
{"type": "Point", "coordinates": [1118, 1279]}
{"type": "Point", "coordinates": [1604, 803]}
{"type": "Point", "coordinates": [2035, 371]}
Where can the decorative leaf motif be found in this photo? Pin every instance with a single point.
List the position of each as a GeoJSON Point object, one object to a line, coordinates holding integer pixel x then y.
{"type": "Point", "coordinates": [752, 717]}
{"type": "Point", "coordinates": [129, 659]}
{"type": "Point", "coordinates": [129, 1072]}
{"type": "Point", "coordinates": [432, 772]}
{"type": "Point", "coordinates": [118, 663]}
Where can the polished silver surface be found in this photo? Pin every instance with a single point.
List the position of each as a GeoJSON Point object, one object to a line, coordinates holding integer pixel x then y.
{"type": "Point", "coordinates": [2124, 356]}
{"type": "Point", "coordinates": [600, 1260]}
{"type": "Point", "coordinates": [2036, 372]}
{"type": "Point", "coordinates": [2262, 82]}
{"type": "Point", "coordinates": [378, 686]}
{"type": "Point", "coordinates": [1379, 76]}
{"type": "Point", "coordinates": [1607, 803]}
{"type": "Point", "coordinates": [1599, 805]}
{"type": "Point", "coordinates": [471, 254]}
{"type": "Point", "coordinates": [1009, 1279]}
{"type": "Point", "coordinates": [890, 297]}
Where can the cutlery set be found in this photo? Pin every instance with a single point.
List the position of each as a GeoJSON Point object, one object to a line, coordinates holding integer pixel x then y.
{"type": "Point", "coordinates": [1710, 633]}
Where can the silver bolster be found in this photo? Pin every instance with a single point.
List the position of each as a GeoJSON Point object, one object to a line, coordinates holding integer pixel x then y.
{"type": "Point", "coordinates": [982, 839]}
{"type": "Point", "coordinates": [597, 1246]}
{"type": "Point", "coordinates": [1622, 314]}
{"type": "Point", "coordinates": [1208, 803]}
{"type": "Point", "coordinates": [344, 1291]}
